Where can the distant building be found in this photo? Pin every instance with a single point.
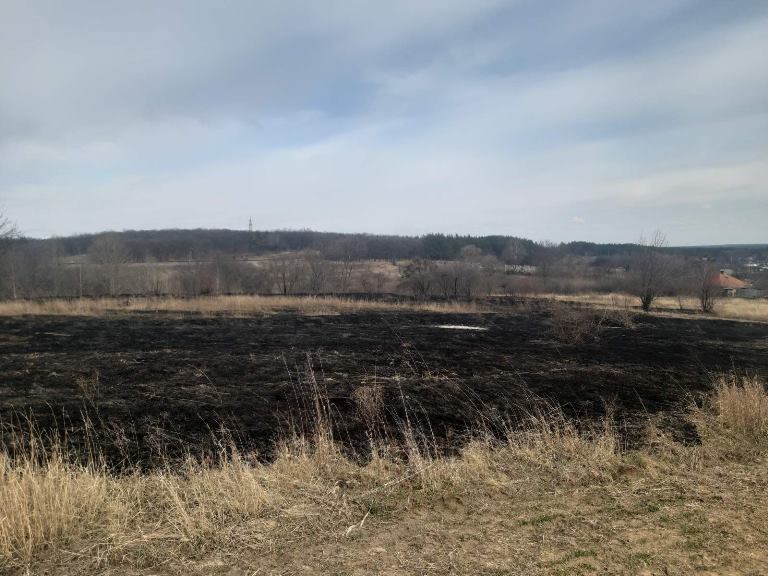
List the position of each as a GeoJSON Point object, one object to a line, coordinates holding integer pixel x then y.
{"type": "Point", "coordinates": [729, 285]}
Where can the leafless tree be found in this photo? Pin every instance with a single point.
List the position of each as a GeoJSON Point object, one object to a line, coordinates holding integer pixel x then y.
{"type": "Point", "coordinates": [7, 228]}
{"type": "Point", "coordinates": [109, 254]}
{"type": "Point", "coordinates": [650, 270]}
{"type": "Point", "coordinates": [489, 265]}
{"type": "Point", "coordinates": [347, 252]}
{"type": "Point", "coordinates": [7, 233]}
{"type": "Point", "coordinates": [470, 279]}
{"type": "Point", "coordinates": [35, 271]}
{"type": "Point", "coordinates": [544, 255]}
{"type": "Point", "coordinates": [446, 281]}
{"type": "Point", "coordinates": [287, 270]}
{"type": "Point", "coordinates": [194, 279]}
{"type": "Point", "coordinates": [371, 281]}
{"type": "Point", "coordinates": [318, 271]}
{"type": "Point", "coordinates": [515, 253]}
{"type": "Point", "coordinates": [457, 278]}
{"type": "Point", "coordinates": [682, 281]}
{"type": "Point", "coordinates": [152, 280]}
{"type": "Point", "coordinates": [471, 253]}
{"type": "Point", "coordinates": [418, 276]}
{"type": "Point", "coordinates": [707, 285]}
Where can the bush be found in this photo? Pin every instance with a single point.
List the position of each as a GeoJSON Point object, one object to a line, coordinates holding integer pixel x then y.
{"type": "Point", "coordinates": [571, 325]}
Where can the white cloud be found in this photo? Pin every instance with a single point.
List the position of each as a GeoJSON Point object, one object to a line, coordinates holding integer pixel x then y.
{"type": "Point", "coordinates": [456, 116]}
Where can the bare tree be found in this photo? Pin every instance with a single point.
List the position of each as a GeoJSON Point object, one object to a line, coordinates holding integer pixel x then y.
{"type": "Point", "coordinates": [109, 254]}
{"type": "Point", "coordinates": [469, 279]}
{"type": "Point", "coordinates": [488, 266]}
{"type": "Point", "coordinates": [544, 255]}
{"type": "Point", "coordinates": [515, 253]}
{"type": "Point", "coordinates": [471, 253]}
{"type": "Point", "coordinates": [8, 229]}
{"type": "Point", "coordinates": [7, 233]}
{"type": "Point", "coordinates": [347, 252]}
{"type": "Point", "coordinates": [419, 277]}
{"type": "Point", "coordinates": [34, 270]}
{"type": "Point", "coordinates": [650, 269]}
{"type": "Point", "coordinates": [446, 281]}
{"type": "Point", "coordinates": [318, 271]}
{"type": "Point", "coordinates": [457, 278]}
{"type": "Point", "coordinates": [194, 279]}
{"type": "Point", "coordinates": [372, 281]}
{"type": "Point", "coordinates": [287, 270]}
{"type": "Point", "coordinates": [708, 287]}
{"type": "Point", "coordinates": [683, 279]}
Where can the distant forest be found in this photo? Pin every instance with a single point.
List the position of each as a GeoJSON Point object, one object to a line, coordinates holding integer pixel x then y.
{"type": "Point", "coordinates": [188, 245]}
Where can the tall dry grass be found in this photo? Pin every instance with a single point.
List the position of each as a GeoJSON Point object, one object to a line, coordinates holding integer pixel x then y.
{"type": "Point", "coordinates": [734, 422]}
{"type": "Point", "coordinates": [234, 305]}
{"type": "Point", "coordinates": [233, 504]}
{"type": "Point", "coordinates": [229, 500]}
{"type": "Point", "coordinates": [730, 308]}
{"type": "Point", "coordinates": [741, 405]}
{"type": "Point", "coordinates": [50, 501]}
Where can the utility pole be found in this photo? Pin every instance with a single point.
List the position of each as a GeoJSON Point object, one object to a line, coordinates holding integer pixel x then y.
{"type": "Point", "coordinates": [250, 225]}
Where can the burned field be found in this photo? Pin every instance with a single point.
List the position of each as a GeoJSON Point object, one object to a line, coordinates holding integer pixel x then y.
{"type": "Point", "coordinates": [153, 385]}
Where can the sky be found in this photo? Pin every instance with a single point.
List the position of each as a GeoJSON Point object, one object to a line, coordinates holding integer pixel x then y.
{"type": "Point", "coordinates": [596, 120]}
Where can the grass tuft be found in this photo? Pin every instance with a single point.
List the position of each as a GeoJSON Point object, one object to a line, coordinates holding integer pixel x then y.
{"type": "Point", "coordinates": [741, 405]}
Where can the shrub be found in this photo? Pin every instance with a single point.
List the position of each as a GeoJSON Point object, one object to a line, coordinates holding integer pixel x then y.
{"type": "Point", "coordinates": [571, 325]}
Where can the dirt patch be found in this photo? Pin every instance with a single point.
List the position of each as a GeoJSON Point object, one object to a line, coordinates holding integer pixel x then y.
{"type": "Point", "coordinates": [154, 383]}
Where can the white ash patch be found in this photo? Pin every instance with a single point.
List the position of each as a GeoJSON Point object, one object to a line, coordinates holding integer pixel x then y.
{"type": "Point", "coordinates": [460, 327]}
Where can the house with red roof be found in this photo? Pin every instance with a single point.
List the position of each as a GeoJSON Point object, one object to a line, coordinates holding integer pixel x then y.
{"type": "Point", "coordinates": [729, 285]}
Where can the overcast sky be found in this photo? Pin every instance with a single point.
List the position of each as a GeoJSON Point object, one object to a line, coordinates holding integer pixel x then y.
{"type": "Point", "coordinates": [583, 120]}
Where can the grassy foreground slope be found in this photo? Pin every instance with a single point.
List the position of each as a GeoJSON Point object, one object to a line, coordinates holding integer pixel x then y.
{"type": "Point", "coordinates": [549, 500]}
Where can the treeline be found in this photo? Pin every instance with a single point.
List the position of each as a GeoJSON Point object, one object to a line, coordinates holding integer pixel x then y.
{"type": "Point", "coordinates": [39, 270]}
{"type": "Point", "coordinates": [29, 273]}
{"type": "Point", "coordinates": [201, 262]}
{"type": "Point", "coordinates": [189, 245]}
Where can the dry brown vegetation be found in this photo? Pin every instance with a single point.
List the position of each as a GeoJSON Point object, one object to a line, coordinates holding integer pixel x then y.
{"type": "Point", "coordinates": [731, 308]}
{"type": "Point", "coordinates": [572, 324]}
{"type": "Point", "coordinates": [550, 499]}
{"type": "Point", "coordinates": [619, 308]}
{"type": "Point", "coordinates": [235, 305]}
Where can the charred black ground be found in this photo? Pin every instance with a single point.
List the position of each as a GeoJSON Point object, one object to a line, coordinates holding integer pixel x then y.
{"type": "Point", "coordinates": [169, 383]}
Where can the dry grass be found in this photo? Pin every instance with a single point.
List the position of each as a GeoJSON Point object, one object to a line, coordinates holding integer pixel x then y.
{"type": "Point", "coordinates": [622, 307]}
{"type": "Point", "coordinates": [233, 305]}
{"type": "Point", "coordinates": [743, 309]}
{"type": "Point", "coordinates": [369, 401]}
{"type": "Point", "coordinates": [553, 498]}
{"type": "Point", "coordinates": [573, 325]}
{"type": "Point", "coordinates": [48, 503]}
{"type": "Point", "coordinates": [732, 308]}
{"type": "Point", "coordinates": [741, 405]}
{"type": "Point", "coordinates": [735, 422]}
